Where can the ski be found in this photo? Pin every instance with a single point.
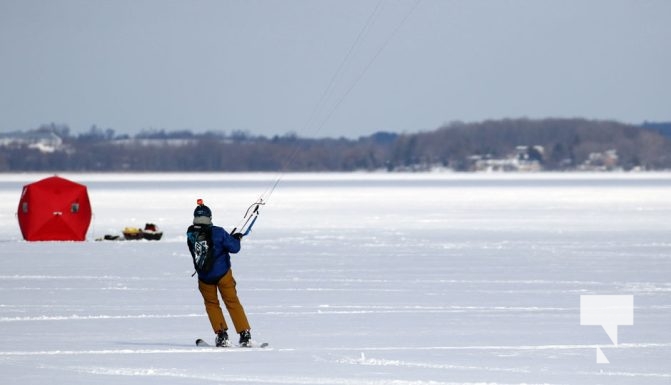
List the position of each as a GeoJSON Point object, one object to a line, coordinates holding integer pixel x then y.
{"type": "Point", "coordinates": [202, 343]}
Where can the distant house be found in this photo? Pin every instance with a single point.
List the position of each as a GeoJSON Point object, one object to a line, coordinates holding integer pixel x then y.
{"type": "Point", "coordinates": [45, 141]}
{"type": "Point", "coordinates": [523, 159]}
{"type": "Point", "coordinates": [601, 161]}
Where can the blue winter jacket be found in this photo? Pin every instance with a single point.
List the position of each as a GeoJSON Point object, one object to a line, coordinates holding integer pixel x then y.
{"type": "Point", "coordinates": [223, 244]}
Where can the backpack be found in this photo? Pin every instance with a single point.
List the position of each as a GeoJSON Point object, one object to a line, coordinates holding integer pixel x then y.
{"type": "Point", "coordinates": [199, 238]}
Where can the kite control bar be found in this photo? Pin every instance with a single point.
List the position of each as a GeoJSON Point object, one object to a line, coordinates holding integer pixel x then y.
{"type": "Point", "coordinates": [249, 219]}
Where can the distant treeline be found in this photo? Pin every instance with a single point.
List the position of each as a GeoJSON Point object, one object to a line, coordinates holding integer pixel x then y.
{"type": "Point", "coordinates": [566, 144]}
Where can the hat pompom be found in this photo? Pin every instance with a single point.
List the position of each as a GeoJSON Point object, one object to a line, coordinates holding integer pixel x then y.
{"type": "Point", "coordinates": [202, 210]}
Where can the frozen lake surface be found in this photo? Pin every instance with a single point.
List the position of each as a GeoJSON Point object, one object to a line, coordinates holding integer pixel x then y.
{"type": "Point", "coordinates": [352, 279]}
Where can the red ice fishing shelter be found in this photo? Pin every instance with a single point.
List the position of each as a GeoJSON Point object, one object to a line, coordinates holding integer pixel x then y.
{"type": "Point", "coordinates": [54, 209]}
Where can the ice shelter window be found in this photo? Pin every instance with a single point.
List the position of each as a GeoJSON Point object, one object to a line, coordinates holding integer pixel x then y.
{"type": "Point", "coordinates": [74, 208]}
{"type": "Point", "coordinates": [24, 207]}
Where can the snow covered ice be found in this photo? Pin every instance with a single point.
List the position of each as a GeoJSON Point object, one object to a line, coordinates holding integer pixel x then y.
{"type": "Point", "coordinates": [352, 279]}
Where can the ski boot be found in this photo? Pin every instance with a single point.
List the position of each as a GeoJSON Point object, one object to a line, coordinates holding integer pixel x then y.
{"type": "Point", "coordinates": [221, 340]}
{"type": "Point", "coordinates": [245, 339]}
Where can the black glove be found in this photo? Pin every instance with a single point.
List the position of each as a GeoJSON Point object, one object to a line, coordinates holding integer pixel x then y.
{"type": "Point", "coordinates": [237, 236]}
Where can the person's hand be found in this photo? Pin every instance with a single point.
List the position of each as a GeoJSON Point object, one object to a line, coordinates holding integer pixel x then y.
{"type": "Point", "coordinates": [237, 236]}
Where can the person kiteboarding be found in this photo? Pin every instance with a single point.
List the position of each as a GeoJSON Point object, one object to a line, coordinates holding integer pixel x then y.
{"type": "Point", "coordinates": [211, 248]}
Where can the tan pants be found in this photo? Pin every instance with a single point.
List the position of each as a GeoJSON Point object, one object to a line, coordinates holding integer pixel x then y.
{"type": "Point", "coordinates": [226, 286]}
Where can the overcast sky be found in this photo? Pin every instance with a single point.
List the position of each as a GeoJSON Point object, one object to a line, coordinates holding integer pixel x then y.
{"type": "Point", "coordinates": [329, 68]}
